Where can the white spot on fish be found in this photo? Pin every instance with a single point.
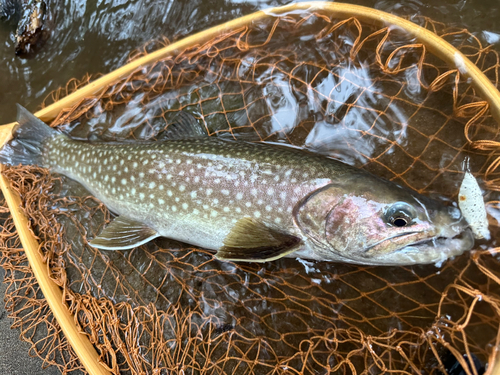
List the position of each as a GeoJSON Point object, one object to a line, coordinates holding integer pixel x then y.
{"type": "Point", "coordinates": [142, 196]}
{"type": "Point", "coordinates": [169, 193]}
{"type": "Point", "coordinates": [256, 214]}
{"type": "Point", "coordinates": [225, 191]}
{"type": "Point", "coordinates": [193, 194]}
{"type": "Point", "coordinates": [248, 204]}
{"type": "Point", "coordinates": [209, 191]}
{"type": "Point", "coordinates": [196, 211]}
{"type": "Point", "coordinates": [277, 220]}
{"type": "Point", "coordinates": [132, 191]}
{"type": "Point", "coordinates": [182, 187]}
{"type": "Point", "coordinates": [152, 185]}
{"type": "Point", "coordinates": [185, 206]}
{"type": "Point", "coordinates": [124, 181]}
{"type": "Point", "coordinates": [226, 209]}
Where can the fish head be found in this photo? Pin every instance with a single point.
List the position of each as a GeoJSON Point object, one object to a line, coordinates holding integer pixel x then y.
{"type": "Point", "coordinates": [366, 220]}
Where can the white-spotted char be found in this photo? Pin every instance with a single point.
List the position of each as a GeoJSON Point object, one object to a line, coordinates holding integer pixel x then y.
{"type": "Point", "coordinates": [247, 201]}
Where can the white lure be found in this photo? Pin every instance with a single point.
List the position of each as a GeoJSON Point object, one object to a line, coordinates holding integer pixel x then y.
{"type": "Point", "coordinates": [471, 203]}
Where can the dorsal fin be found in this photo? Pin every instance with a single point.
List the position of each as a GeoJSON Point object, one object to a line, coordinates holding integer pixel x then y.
{"type": "Point", "coordinates": [123, 233]}
{"type": "Point", "coordinates": [253, 241]}
{"type": "Point", "coordinates": [185, 126]}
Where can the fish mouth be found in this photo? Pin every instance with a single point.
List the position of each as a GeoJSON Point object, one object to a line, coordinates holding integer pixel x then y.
{"type": "Point", "coordinates": [425, 251]}
{"type": "Point", "coordinates": [376, 244]}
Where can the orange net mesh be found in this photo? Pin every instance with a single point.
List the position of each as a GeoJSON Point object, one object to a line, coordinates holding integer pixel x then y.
{"type": "Point", "coordinates": [369, 96]}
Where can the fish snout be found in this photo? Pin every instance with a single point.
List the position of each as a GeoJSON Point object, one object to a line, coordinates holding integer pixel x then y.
{"type": "Point", "coordinates": [449, 222]}
{"type": "Point", "coordinates": [455, 213]}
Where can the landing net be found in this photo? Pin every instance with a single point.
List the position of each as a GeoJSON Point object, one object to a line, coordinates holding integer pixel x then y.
{"type": "Point", "coordinates": [369, 96]}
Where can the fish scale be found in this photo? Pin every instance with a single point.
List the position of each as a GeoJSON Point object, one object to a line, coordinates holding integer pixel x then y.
{"type": "Point", "coordinates": [202, 183]}
{"type": "Point", "coordinates": [247, 201]}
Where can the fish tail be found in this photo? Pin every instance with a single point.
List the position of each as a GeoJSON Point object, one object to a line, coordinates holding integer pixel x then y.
{"type": "Point", "coordinates": [29, 139]}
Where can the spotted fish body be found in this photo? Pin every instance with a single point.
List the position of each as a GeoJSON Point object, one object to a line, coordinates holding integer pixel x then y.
{"type": "Point", "coordinates": [196, 190]}
{"type": "Point", "coordinates": [248, 201]}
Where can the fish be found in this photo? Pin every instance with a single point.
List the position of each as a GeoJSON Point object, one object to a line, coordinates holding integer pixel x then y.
{"type": "Point", "coordinates": [246, 201]}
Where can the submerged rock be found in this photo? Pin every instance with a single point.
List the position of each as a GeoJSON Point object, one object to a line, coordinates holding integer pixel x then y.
{"type": "Point", "coordinates": [30, 17]}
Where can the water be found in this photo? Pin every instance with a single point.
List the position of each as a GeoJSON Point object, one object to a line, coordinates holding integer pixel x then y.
{"type": "Point", "coordinates": [286, 301]}
{"type": "Point", "coordinates": [96, 36]}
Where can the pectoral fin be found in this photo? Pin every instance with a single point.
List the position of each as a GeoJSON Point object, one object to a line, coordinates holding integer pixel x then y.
{"type": "Point", "coordinates": [253, 241]}
{"type": "Point", "coordinates": [123, 233]}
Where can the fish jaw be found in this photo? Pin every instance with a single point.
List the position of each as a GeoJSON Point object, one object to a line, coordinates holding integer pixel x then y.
{"type": "Point", "coordinates": [435, 250]}
{"type": "Point", "coordinates": [428, 251]}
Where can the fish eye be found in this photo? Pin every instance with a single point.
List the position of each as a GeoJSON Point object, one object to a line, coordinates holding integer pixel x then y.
{"type": "Point", "coordinates": [400, 214]}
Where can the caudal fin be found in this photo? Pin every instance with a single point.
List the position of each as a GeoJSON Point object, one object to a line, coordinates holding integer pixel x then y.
{"type": "Point", "coordinates": [28, 140]}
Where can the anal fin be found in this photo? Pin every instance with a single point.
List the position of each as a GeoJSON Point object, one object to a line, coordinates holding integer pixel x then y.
{"type": "Point", "coordinates": [253, 241]}
{"type": "Point", "coordinates": [123, 233]}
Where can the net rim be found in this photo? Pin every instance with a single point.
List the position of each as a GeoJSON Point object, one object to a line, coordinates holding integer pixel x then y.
{"type": "Point", "coordinates": [52, 292]}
